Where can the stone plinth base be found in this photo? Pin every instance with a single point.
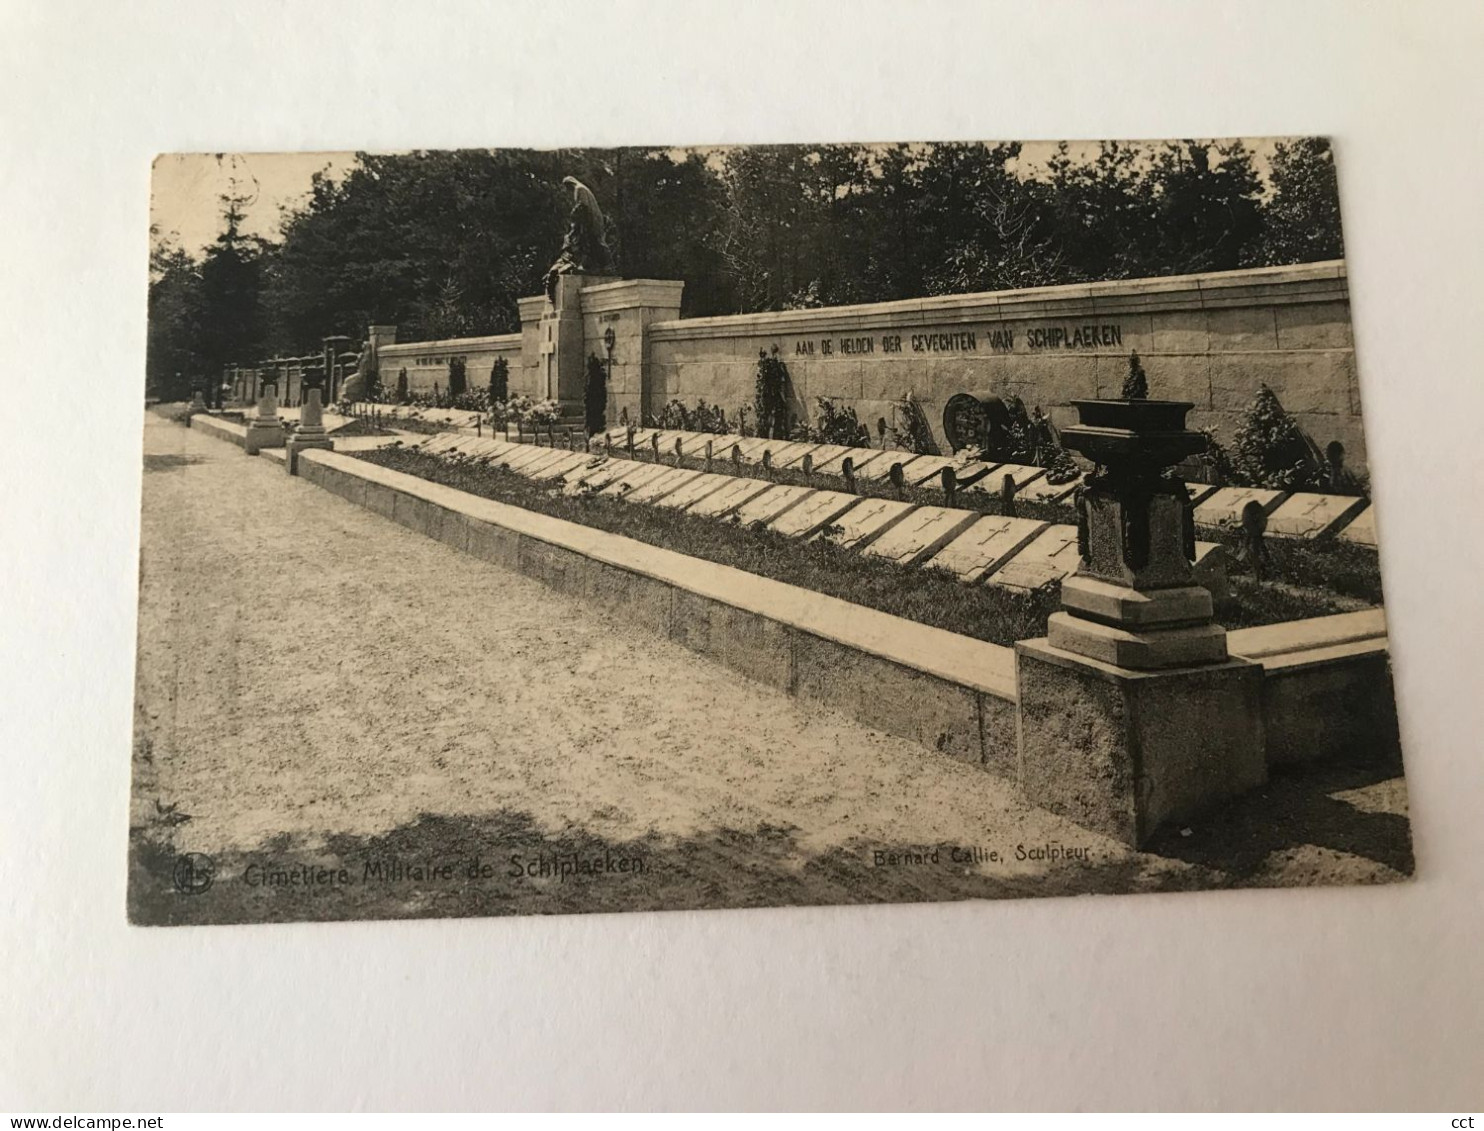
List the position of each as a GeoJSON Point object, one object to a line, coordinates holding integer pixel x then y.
{"type": "Point", "coordinates": [262, 435]}
{"type": "Point", "coordinates": [299, 442]}
{"type": "Point", "coordinates": [1141, 650]}
{"type": "Point", "coordinates": [1122, 752]}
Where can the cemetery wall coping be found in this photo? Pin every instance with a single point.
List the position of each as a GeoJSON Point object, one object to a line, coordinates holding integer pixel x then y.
{"type": "Point", "coordinates": [451, 345]}
{"type": "Point", "coordinates": [1313, 282]}
{"type": "Point", "coordinates": [228, 430]}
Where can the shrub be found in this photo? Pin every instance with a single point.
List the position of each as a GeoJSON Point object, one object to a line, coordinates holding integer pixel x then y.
{"type": "Point", "coordinates": [834, 425]}
{"type": "Point", "coordinates": [1271, 450]}
{"type": "Point", "coordinates": [1136, 384]}
{"type": "Point", "coordinates": [402, 385]}
{"type": "Point", "coordinates": [457, 377]}
{"type": "Point", "coordinates": [500, 380]}
{"type": "Point", "coordinates": [909, 429]}
{"type": "Point", "coordinates": [771, 395]}
{"type": "Point", "coordinates": [595, 396]}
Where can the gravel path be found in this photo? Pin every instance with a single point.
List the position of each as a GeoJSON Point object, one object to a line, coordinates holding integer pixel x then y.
{"type": "Point", "coordinates": [310, 670]}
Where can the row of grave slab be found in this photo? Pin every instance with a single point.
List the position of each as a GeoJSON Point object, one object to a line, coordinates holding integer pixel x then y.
{"type": "Point", "coordinates": [1298, 514]}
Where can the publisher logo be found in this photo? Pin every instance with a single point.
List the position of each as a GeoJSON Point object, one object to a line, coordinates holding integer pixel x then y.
{"type": "Point", "coordinates": [193, 873]}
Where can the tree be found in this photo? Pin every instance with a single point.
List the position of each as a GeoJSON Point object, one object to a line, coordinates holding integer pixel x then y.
{"type": "Point", "coordinates": [231, 323]}
{"type": "Point", "coordinates": [173, 362]}
{"type": "Point", "coordinates": [1301, 222]}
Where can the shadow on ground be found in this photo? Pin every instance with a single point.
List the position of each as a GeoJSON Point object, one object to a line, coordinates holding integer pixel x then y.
{"type": "Point", "coordinates": [503, 864]}
{"type": "Point", "coordinates": [1251, 838]}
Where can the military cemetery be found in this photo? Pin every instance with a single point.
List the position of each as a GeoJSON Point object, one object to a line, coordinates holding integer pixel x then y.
{"type": "Point", "coordinates": [1088, 564]}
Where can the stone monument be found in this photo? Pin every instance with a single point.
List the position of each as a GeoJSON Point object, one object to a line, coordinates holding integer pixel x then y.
{"type": "Point", "coordinates": [585, 261]}
{"type": "Point", "coordinates": [310, 433]}
{"type": "Point", "coordinates": [265, 429]}
{"type": "Point", "coordinates": [1131, 714]}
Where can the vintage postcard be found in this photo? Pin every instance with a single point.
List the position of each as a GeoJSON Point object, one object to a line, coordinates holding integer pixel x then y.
{"type": "Point", "coordinates": [532, 532]}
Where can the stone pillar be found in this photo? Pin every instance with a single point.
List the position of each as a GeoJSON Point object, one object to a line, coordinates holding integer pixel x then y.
{"type": "Point", "coordinates": [331, 348]}
{"type": "Point", "coordinates": [265, 430]}
{"type": "Point", "coordinates": [561, 362]}
{"type": "Point", "coordinates": [1130, 713]}
{"type": "Point", "coordinates": [622, 312]}
{"type": "Point", "coordinates": [310, 433]}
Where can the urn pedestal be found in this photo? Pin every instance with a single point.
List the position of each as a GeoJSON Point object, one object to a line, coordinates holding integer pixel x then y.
{"type": "Point", "coordinates": [310, 433]}
{"type": "Point", "coordinates": [264, 429]}
{"type": "Point", "coordinates": [1131, 714]}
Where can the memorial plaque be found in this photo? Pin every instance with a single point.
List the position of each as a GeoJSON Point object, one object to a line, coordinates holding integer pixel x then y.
{"type": "Point", "coordinates": [921, 534]}
{"type": "Point", "coordinates": [776, 500]}
{"type": "Point", "coordinates": [1225, 504]}
{"type": "Point", "coordinates": [1308, 516]}
{"type": "Point", "coordinates": [722, 502]}
{"type": "Point", "coordinates": [1050, 556]}
{"type": "Point", "coordinates": [985, 546]}
{"type": "Point", "coordinates": [866, 521]}
{"type": "Point", "coordinates": [819, 509]}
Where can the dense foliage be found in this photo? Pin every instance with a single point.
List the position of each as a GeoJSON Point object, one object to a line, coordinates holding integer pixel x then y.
{"type": "Point", "coordinates": [444, 243]}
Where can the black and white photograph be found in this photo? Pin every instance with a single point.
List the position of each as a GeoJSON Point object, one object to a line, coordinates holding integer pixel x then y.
{"type": "Point", "coordinates": [534, 532]}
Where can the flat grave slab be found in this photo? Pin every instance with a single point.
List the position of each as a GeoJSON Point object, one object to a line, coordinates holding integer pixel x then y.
{"type": "Point", "coordinates": [593, 463]}
{"type": "Point", "coordinates": [865, 522]}
{"type": "Point", "coordinates": [925, 470]}
{"type": "Point", "coordinates": [796, 453]}
{"type": "Point", "coordinates": [641, 474]}
{"type": "Point", "coordinates": [595, 479]}
{"type": "Point", "coordinates": [784, 451]}
{"type": "Point", "coordinates": [828, 456]}
{"type": "Point", "coordinates": [670, 479]}
{"type": "Point", "coordinates": [1361, 529]}
{"type": "Point", "coordinates": [1308, 516]}
{"type": "Point", "coordinates": [819, 509]}
{"type": "Point", "coordinates": [921, 534]}
{"type": "Point", "coordinates": [530, 465]}
{"type": "Point", "coordinates": [1199, 492]}
{"type": "Point", "coordinates": [880, 467]}
{"type": "Point", "coordinates": [518, 455]}
{"type": "Point", "coordinates": [776, 500]}
{"type": "Point", "coordinates": [745, 445]}
{"type": "Point", "coordinates": [558, 469]}
{"type": "Point", "coordinates": [863, 457]}
{"type": "Point", "coordinates": [1040, 491]}
{"type": "Point", "coordinates": [722, 502]}
{"type": "Point", "coordinates": [1021, 474]}
{"type": "Point", "coordinates": [1225, 504]}
{"type": "Point", "coordinates": [697, 489]}
{"type": "Point", "coordinates": [1049, 556]}
{"type": "Point", "coordinates": [440, 442]}
{"type": "Point", "coordinates": [985, 546]}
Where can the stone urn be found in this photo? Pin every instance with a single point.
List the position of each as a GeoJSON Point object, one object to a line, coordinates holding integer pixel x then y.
{"type": "Point", "coordinates": [1136, 533]}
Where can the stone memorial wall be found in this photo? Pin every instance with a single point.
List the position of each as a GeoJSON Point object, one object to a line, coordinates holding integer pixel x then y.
{"type": "Point", "coordinates": [1211, 339]}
